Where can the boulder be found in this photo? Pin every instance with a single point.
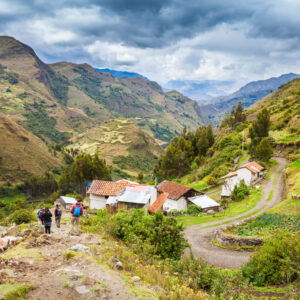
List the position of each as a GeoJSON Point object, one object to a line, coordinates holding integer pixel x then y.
{"type": "Point", "coordinates": [119, 265]}
{"type": "Point", "coordinates": [82, 289]}
{"type": "Point", "coordinates": [79, 248]}
{"type": "Point", "coordinates": [135, 278]}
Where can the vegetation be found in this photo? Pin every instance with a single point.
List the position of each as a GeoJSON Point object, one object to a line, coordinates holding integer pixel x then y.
{"type": "Point", "coordinates": [12, 291]}
{"type": "Point", "coordinates": [20, 216]}
{"type": "Point", "coordinates": [276, 262]}
{"type": "Point", "coordinates": [240, 191]}
{"type": "Point", "coordinates": [267, 224]}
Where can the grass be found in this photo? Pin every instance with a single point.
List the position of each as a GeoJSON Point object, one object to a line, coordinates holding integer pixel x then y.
{"type": "Point", "coordinates": [233, 210]}
{"type": "Point", "coordinates": [14, 291]}
{"type": "Point", "coordinates": [290, 139]}
{"type": "Point", "coordinates": [11, 199]}
{"type": "Point", "coordinates": [20, 251]}
{"type": "Point", "coordinates": [243, 159]}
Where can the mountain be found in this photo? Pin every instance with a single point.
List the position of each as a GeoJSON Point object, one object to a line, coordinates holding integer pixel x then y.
{"type": "Point", "coordinates": [248, 94]}
{"type": "Point", "coordinates": [22, 153]}
{"type": "Point", "coordinates": [121, 74]}
{"type": "Point", "coordinates": [123, 145]}
{"type": "Point", "coordinates": [201, 90]}
{"type": "Point", "coordinates": [57, 101]}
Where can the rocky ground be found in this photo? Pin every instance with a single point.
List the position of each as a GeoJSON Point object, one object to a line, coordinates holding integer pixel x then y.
{"type": "Point", "coordinates": [58, 271]}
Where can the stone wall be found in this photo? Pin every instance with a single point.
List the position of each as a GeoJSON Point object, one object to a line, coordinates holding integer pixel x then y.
{"type": "Point", "coordinates": [227, 239]}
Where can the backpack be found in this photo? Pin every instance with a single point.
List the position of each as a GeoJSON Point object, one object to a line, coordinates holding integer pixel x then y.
{"type": "Point", "coordinates": [77, 211]}
{"type": "Point", "coordinates": [38, 213]}
{"type": "Point", "coordinates": [58, 212]}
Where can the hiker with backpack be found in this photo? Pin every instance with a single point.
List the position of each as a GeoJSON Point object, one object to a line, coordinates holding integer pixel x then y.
{"type": "Point", "coordinates": [39, 215]}
{"type": "Point", "coordinates": [47, 220]}
{"type": "Point", "coordinates": [76, 211]}
{"type": "Point", "coordinates": [57, 214]}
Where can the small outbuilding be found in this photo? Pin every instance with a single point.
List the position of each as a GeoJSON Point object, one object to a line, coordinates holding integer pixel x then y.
{"type": "Point", "coordinates": [66, 202]}
{"type": "Point", "coordinates": [205, 202]}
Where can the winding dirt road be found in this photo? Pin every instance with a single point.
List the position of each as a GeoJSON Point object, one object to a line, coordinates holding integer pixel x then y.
{"type": "Point", "coordinates": [200, 239]}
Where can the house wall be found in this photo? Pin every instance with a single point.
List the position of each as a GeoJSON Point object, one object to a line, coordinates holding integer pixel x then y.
{"type": "Point", "coordinates": [229, 184]}
{"type": "Point", "coordinates": [97, 202]}
{"type": "Point", "coordinates": [245, 174]}
{"type": "Point", "coordinates": [153, 195]}
{"type": "Point", "coordinates": [180, 204]}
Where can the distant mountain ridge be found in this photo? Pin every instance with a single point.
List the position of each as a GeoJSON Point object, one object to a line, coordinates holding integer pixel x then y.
{"type": "Point", "coordinates": [248, 95]}
{"type": "Point", "coordinates": [121, 74]}
{"type": "Point", "coordinates": [201, 90]}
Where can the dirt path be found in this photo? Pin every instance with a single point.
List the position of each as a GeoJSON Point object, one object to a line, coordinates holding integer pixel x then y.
{"type": "Point", "coordinates": [200, 239]}
{"type": "Point", "coordinates": [57, 278]}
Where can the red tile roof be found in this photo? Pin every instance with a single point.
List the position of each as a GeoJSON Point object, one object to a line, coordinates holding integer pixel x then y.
{"type": "Point", "coordinates": [230, 174]}
{"type": "Point", "coordinates": [174, 190]}
{"type": "Point", "coordinates": [252, 166]}
{"type": "Point", "coordinates": [158, 203]}
{"type": "Point", "coordinates": [107, 188]}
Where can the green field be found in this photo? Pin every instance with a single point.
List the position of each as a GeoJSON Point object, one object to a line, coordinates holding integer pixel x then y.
{"type": "Point", "coordinates": [10, 199]}
{"type": "Point", "coordinates": [233, 210]}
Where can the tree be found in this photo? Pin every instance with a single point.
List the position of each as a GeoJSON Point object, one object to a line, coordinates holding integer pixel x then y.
{"type": "Point", "coordinates": [239, 115]}
{"type": "Point", "coordinates": [259, 129]}
{"type": "Point", "coordinates": [264, 150]}
{"type": "Point", "coordinates": [210, 135]}
{"type": "Point", "coordinates": [140, 177]}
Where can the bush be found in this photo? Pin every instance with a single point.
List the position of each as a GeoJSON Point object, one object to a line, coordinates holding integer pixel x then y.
{"type": "Point", "coordinates": [239, 192]}
{"type": "Point", "coordinates": [194, 210]}
{"type": "Point", "coordinates": [21, 216]}
{"type": "Point", "coordinates": [162, 233]}
{"type": "Point", "coordinates": [276, 262]}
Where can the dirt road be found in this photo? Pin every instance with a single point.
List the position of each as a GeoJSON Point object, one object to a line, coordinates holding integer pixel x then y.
{"type": "Point", "coordinates": [200, 239]}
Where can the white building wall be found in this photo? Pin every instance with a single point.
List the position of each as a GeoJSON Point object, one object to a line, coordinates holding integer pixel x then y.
{"type": "Point", "coordinates": [97, 202]}
{"type": "Point", "coordinates": [229, 185]}
{"type": "Point", "coordinates": [153, 195]}
{"type": "Point", "coordinates": [245, 174]}
{"type": "Point", "coordinates": [180, 204]}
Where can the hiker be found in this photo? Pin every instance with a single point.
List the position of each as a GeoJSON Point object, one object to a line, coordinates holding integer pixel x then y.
{"type": "Point", "coordinates": [47, 220]}
{"type": "Point", "coordinates": [76, 211]}
{"type": "Point", "coordinates": [39, 215]}
{"type": "Point", "coordinates": [57, 214]}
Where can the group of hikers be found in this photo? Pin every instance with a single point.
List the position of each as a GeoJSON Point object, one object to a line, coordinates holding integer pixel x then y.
{"type": "Point", "coordinates": [44, 216]}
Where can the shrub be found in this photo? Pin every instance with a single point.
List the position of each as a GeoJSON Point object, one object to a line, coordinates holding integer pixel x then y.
{"type": "Point", "coordinates": [162, 233]}
{"type": "Point", "coordinates": [239, 192]}
{"type": "Point", "coordinates": [194, 210]}
{"type": "Point", "coordinates": [277, 261]}
{"type": "Point", "coordinates": [21, 216]}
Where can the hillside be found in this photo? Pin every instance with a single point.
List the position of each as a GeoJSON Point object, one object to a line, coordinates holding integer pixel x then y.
{"type": "Point", "coordinates": [122, 143]}
{"type": "Point", "coordinates": [248, 94]}
{"type": "Point", "coordinates": [55, 101]}
{"type": "Point", "coordinates": [22, 153]}
{"type": "Point", "coordinates": [284, 107]}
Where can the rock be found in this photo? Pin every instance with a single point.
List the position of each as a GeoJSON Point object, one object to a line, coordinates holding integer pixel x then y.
{"type": "Point", "coordinates": [135, 278]}
{"type": "Point", "coordinates": [7, 242]}
{"type": "Point", "coordinates": [3, 228]}
{"type": "Point", "coordinates": [119, 265]}
{"type": "Point", "coordinates": [79, 248]}
{"type": "Point", "coordinates": [82, 289]}
{"type": "Point", "coordinates": [25, 232]}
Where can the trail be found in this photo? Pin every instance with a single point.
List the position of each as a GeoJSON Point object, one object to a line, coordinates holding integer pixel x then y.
{"type": "Point", "coordinates": [57, 278]}
{"type": "Point", "coordinates": [200, 237]}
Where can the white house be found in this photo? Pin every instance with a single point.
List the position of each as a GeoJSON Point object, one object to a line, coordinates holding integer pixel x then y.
{"type": "Point", "coordinates": [101, 190]}
{"type": "Point", "coordinates": [205, 202]}
{"type": "Point", "coordinates": [177, 195]}
{"type": "Point", "coordinates": [249, 172]}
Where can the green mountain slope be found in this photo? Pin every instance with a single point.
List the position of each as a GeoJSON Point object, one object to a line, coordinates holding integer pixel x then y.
{"type": "Point", "coordinates": [22, 153]}
{"type": "Point", "coordinates": [122, 143]}
{"type": "Point", "coordinates": [55, 101]}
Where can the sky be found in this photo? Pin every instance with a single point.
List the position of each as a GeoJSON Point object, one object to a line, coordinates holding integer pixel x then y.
{"type": "Point", "coordinates": [232, 40]}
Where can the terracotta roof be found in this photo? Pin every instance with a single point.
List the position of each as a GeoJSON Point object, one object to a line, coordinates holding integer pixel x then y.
{"type": "Point", "coordinates": [174, 190]}
{"type": "Point", "coordinates": [253, 167]}
{"type": "Point", "coordinates": [126, 181]}
{"type": "Point", "coordinates": [107, 188]}
{"type": "Point", "coordinates": [230, 174]}
{"type": "Point", "coordinates": [158, 203]}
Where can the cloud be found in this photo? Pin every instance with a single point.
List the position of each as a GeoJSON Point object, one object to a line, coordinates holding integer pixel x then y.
{"type": "Point", "coordinates": [163, 39]}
